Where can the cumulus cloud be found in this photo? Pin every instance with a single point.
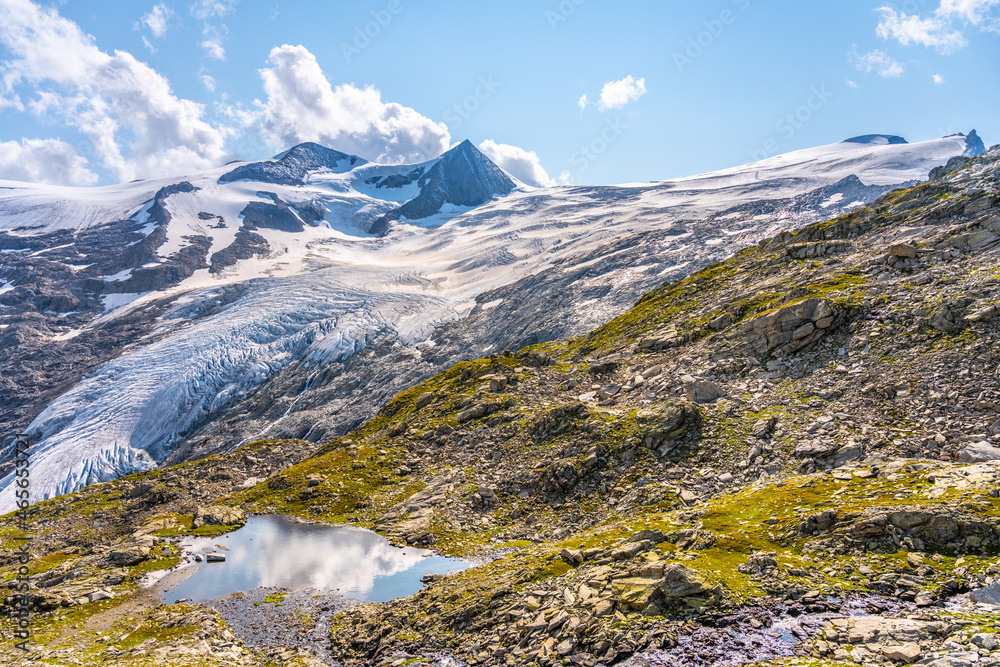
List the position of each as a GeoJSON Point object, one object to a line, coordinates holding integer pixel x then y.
{"type": "Point", "coordinates": [582, 103]}
{"type": "Point", "coordinates": [44, 161]}
{"type": "Point", "coordinates": [519, 163]}
{"type": "Point", "coordinates": [877, 61]}
{"type": "Point", "coordinates": [938, 79]}
{"type": "Point", "coordinates": [933, 31]}
{"type": "Point", "coordinates": [944, 29]}
{"type": "Point", "coordinates": [617, 94]}
{"type": "Point", "coordinates": [138, 127]}
{"type": "Point", "coordinates": [302, 106]}
{"type": "Point", "coordinates": [158, 19]}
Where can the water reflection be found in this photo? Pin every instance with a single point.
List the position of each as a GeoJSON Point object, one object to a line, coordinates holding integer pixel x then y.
{"type": "Point", "coordinates": [276, 551]}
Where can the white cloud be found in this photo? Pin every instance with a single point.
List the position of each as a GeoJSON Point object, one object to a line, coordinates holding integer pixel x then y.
{"type": "Point", "coordinates": [877, 61]}
{"type": "Point", "coordinates": [302, 106]}
{"type": "Point", "coordinates": [976, 12]}
{"type": "Point", "coordinates": [939, 30]}
{"type": "Point", "coordinates": [519, 163]}
{"type": "Point", "coordinates": [138, 127]}
{"type": "Point", "coordinates": [158, 19]}
{"type": "Point", "coordinates": [933, 32]}
{"type": "Point", "coordinates": [582, 102]}
{"type": "Point", "coordinates": [214, 49]}
{"type": "Point", "coordinates": [617, 94]}
{"type": "Point", "coordinates": [149, 45]}
{"type": "Point", "coordinates": [207, 81]}
{"type": "Point", "coordinates": [14, 101]}
{"type": "Point", "coordinates": [938, 79]}
{"type": "Point", "coordinates": [44, 161]}
{"type": "Point", "coordinates": [209, 9]}
{"type": "Point", "coordinates": [214, 34]}
{"type": "Point", "coordinates": [852, 84]}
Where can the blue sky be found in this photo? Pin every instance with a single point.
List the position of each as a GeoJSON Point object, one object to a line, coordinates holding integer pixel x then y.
{"type": "Point", "coordinates": [100, 92]}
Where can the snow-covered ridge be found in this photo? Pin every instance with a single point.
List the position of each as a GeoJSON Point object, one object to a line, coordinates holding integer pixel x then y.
{"type": "Point", "coordinates": [292, 271]}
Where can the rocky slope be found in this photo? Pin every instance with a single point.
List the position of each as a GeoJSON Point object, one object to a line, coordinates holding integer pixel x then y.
{"type": "Point", "coordinates": [155, 323]}
{"type": "Point", "coordinates": [789, 457]}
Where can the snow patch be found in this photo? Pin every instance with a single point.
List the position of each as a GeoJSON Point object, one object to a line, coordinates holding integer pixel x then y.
{"type": "Point", "coordinates": [119, 277]}
{"type": "Point", "coordinates": [115, 301]}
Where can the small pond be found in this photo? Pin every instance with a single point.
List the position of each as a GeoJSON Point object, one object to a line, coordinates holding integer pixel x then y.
{"type": "Point", "coordinates": [276, 551]}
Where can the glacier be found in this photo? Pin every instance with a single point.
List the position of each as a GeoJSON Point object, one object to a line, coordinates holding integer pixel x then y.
{"type": "Point", "coordinates": [358, 271]}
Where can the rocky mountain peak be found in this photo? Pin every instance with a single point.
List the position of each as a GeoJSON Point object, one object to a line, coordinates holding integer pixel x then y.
{"type": "Point", "coordinates": [463, 176]}
{"type": "Point", "coordinates": [293, 166]}
{"type": "Point", "coordinates": [975, 145]}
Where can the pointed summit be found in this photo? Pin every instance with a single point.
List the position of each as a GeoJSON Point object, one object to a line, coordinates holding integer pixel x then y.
{"type": "Point", "coordinates": [974, 145]}
{"type": "Point", "coordinates": [463, 176]}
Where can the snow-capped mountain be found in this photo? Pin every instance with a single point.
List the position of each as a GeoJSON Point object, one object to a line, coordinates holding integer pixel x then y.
{"type": "Point", "coordinates": [161, 321]}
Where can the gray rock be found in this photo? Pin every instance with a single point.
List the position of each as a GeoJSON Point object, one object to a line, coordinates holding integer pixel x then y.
{"type": "Point", "coordinates": [703, 391]}
{"type": "Point", "coordinates": [763, 427]}
{"type": "Point", "coordinates": [984, 314]}
{"type": "Point", "coordinates": [902, 251]}
{"type": "Point", "coordinates": [671, 420]}
{"type": "Point", "coordinates": [988, 595]}
{"type": "Point", "coordinates": [681, 582]}
{"type": "Point", "coordinates": [99, 595]}
{"type": "Point", "coordinates": [943, 319]}
{"type": "Point", "coordinates": [129, 557]}
{"type": "Point", "coordinates": [654, 536]}
{"type": "Point", "coordinates": [979, 452]}
{"type": "Point", "coordinates": [572, 556]}
{"type": "Point", "coordinates": [789, 329]}
{"type": "Point", "coordinates": [902, 653]}
{"type": "Point", "coordinates": [218, 515]}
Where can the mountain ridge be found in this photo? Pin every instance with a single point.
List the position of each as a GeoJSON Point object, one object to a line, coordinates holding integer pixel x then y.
{"type": "Point", "coordinates": [214, 314]}
{"type": "Point", "coordinates": [766, 458]}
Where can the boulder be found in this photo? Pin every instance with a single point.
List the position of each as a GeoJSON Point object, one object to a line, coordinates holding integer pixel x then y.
{"type": "Point", "coordinates": [129, 556]}
{"type": "Point", "coordinates": [424, 400]}
{"type": "Point", "coordinates": [99, 595]}
{"type": "Point", "coordinates": [984, 314]}
{"type": "Point", "coordinates": [763, 427]}
{"type": "Point", "coordinates": [814, 449]}
{"type": "Point", "coordinates": [572, 556]}
{"type": "Point", "coordinates": [943, 319]}
{"type": "Point", "coordinates": [218, 515]}
{"type": "Point", "coordinates": [988, 595]}
{"type": "Point", "coordinates": [979, 452]}
{"type": "Point", "coordinates": [902, 653]}
{"type": "Point", "coordinates": [789, 329]}
{"type": "Point", "coordinates": [680, 582]}
{"type": "Point", "coordinates": [902, 251]}
{"type": "Point", "coordinates": [671, 420]}
{"type": "Point", "coordinates": [703, 391]}
{"type": "Point", "coordinates": [759, 564]}
{"type": "Point", "coordinates": [654, 536]}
